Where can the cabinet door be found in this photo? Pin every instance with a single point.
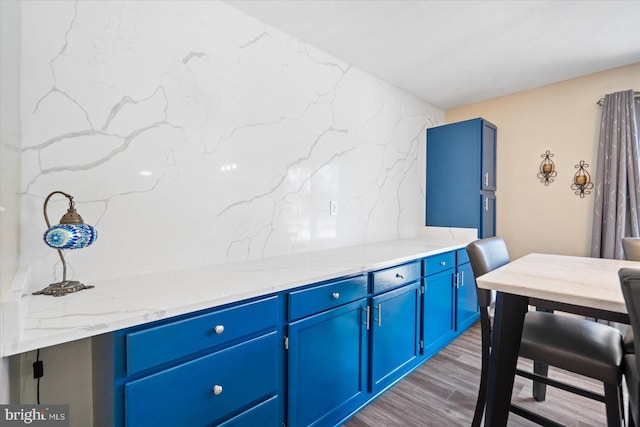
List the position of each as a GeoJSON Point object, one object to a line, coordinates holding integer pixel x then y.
{"type": "Point", "coordinates": [395, 327]}
{"type": "Point", "coordinates": [453, 174]}
{"type": "Point", "coordinates": [327, 365]}
{"type": "Point", "coordinates": [488, 156]}
{"type": "Point", "coordinates": [488, 215]}
{"type": "Point", "coordinates": [466, 297]}
{"type": "Point", "coordinates": [438, 309]}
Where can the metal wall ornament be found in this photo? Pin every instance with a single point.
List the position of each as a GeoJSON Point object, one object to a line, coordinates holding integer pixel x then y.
{"type": "Point", "coordinates": [582, 180]}
{"type": "Point", "coordinates": [547, 169]}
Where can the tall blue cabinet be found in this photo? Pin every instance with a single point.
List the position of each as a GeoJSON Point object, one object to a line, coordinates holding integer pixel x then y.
{"type": "Point", "coordinates": [461, 176]}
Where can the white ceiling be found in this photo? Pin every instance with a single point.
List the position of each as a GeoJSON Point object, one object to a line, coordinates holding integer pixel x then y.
{"type": "Point", "coordinates": [452, 53]}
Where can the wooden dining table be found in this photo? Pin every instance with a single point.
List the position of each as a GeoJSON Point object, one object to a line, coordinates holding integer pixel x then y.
{"type": "Point", "coordinates": [581, 285]}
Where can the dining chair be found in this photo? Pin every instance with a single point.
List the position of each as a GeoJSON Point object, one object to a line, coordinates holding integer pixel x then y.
{"type": "Point", "coordinates": [631, 247]}
{"type": "Point", "coordinates": [630, 284]}
{"type": "Point", "coordinates": [574, 344]}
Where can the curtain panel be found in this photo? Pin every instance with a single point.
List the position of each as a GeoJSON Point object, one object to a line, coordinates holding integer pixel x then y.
{"type": "Point", "coordinates": [617, 180]}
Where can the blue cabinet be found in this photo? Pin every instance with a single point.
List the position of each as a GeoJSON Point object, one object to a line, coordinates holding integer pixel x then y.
{"type": "Point", "coordinates": [310, 356]}
{"type": "Point", "coordinates": [220, 366]}
{"type": "Point", "coordinates": [343, 353]}
{"type": "Point", "coordinates": [467, 310]}
{"type": "Point", "coordinates": [328, 365]}
{"type": "Point", "coordinates": [438, 310]}
{"type": "Point", "coordinates": [450, 303]}
{"type": "Point", "coordinates": [461, 176]}
{"type": "Point", "coordinates": [395, 333]}
{"type": "Point", "coordinates": [328, 341]}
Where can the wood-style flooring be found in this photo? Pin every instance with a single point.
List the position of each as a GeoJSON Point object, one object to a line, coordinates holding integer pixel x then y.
{"type": "Point", "coordinates": [442, 392]}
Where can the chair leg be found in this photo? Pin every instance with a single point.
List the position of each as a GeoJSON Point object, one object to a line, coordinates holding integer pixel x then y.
{"type": "Point", "coordinates": [621, 402]}
{"type": "Point", "coordinates": [485, 328]}
{"type": "Point", "coordinates": [540, 389]}
{"type": "Point", "coordinates": [612, 402]}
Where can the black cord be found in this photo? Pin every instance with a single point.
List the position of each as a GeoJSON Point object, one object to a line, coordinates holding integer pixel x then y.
{"type": "Point", "coordinates": [38, 385]}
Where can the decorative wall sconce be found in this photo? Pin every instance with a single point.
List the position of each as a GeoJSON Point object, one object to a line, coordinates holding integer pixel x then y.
{"type": "Point", "coordinates": [71, 233]}
{"type": "Point", "coordinates": [582, 180]}
{"type": "Point", "coordinates": [547, 168]}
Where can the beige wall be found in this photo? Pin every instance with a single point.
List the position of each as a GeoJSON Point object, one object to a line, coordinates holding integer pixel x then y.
{"type": "Point", "coordinates": [564, 119]}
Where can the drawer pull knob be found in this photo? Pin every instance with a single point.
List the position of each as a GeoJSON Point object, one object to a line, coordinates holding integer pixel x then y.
{"type": "Point", "coordinates": [335, 295]}
{"type": "Point", "coordinates": [399, 276]}
{"type": "Point", "coordinates": [219, 329]}
{"type": "Point", "coordinates": [442, 263]}
{"type": "Point", "coordinates": [217, 389]}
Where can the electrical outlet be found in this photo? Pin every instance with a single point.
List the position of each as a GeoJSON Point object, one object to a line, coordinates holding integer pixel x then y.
{"type": "Point", "coordinates": [333, 207]}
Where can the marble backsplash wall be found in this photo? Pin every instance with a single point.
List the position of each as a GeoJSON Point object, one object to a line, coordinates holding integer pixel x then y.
{"type": "Point", "coordinates": [190, 134]}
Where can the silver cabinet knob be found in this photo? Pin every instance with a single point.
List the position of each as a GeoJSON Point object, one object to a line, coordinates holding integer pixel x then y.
{"type": "Point", "coordinates": [217, 389]}
{"type": "Point", "coordinates": [219, 329]}
{"type": "Point", "coordinates": [335, 295]}
{"type": "Point", "coordinates": [442, 263]}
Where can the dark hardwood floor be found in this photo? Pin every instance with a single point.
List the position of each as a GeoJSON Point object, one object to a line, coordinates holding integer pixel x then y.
{"type": "Point", "coordinates": [442, 392]}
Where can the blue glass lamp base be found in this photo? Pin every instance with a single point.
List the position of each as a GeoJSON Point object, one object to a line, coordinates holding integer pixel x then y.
{"type": "Point", "coordinates": [60, 289]}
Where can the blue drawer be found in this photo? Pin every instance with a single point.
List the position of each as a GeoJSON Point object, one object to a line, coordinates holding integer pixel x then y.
{"type": "Point", "coordinates": [206, 390]}
{"type": "Point", "coordinates": [462, 256]}
{"type": "Point", "coordinates": [437, 263]}
{"type": "Point", "coordinates": [390, 278]}
{"type": "Point", "coordinates": [157, 345]}
{"type": "Point", "coordinates": [264, 414]}
{"type": "Point", "coordinates": [319, 298]}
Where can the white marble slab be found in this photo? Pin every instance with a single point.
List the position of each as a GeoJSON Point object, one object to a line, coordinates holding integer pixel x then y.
{"type": "Point", "coordinates": [121, 303]}
{"type": "Point", "coordinates": [584, 281]}
{"type": "Point", "coordinates": [216, 139]}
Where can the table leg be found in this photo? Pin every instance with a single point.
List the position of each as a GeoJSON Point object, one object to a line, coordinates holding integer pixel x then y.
{"type": "Point", "coordinates": [505, 345]}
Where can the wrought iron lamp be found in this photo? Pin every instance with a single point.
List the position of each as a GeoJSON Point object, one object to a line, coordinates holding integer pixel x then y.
{"type": "Point", "coordinates": [71, 233]}
{"type": "Point", "coordinates": [547, 169]}
{"type": "Point", "coordinates": [582, 180]}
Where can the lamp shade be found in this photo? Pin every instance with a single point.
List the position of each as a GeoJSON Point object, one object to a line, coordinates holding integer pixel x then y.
{"type": "Point", "coordinates": [70, 236]}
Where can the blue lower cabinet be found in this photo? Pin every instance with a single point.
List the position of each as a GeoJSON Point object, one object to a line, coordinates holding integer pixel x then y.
{"type": "Point", "coordinates": [219, 366]}
{"type": "Point", "coordinates": [467, 311]}
{"type": "Point", "coordinates": [395, 334]}
{"type": "Point", "coordinates": [450, 302]}
{"type": "Point", "coordinates": [438, 311]}
{"type": "Point", "coordinates": [327, 365]}
{"type": "Point", "coordinates": [310, 356]}
{"type": "Point", "coordinates": [209, 389]}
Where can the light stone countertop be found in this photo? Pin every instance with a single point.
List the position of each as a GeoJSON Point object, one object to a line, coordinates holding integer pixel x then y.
{"type": "Point", "coordinates": [41, 321]}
